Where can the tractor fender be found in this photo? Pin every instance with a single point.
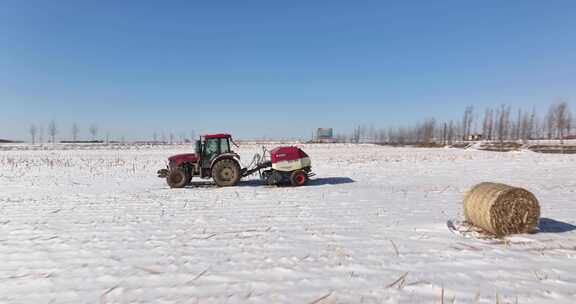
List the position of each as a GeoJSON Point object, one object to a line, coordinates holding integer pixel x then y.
{"type": "Point", "coordinates": [233, 156]}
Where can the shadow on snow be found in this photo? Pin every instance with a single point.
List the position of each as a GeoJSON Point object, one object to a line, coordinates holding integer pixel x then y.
{"type": "Point", "coordinates": [258, 183]}
{"type": "Point", "coordinates": [329, 181]}
{"type": "Point", "coordinates": [547, 225]}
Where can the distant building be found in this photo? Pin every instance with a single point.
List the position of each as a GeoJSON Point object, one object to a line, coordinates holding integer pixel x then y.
{"type": "Point", "coordinates": [325, 135]}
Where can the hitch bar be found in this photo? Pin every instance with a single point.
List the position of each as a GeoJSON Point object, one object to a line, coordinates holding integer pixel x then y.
{"type": "Point", "coordinates": [163, 173]}
{"type": "Point", "coordinates": [245, 171]}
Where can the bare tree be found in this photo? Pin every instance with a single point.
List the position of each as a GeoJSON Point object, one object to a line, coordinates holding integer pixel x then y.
{"type": "Point", "coordinates": [402, 137]}
{"type": "Point", "coordinates": [524, 127]}
{"type": "Point", "coordinates": [362, 130]}
{"type": "Point", "coordinates": [93, 131]}
{"type": "Point", "coordinates": [33, 131]}
{"type": "Point", "coordinates": [41, 134]}
{"type": "Point", "coordinates": [569, 124]}
{"type": "Point", "coordinates": [488, 125]}
{"type": "Point", "coordinates": [470, 120]}
{"type": "Point", "coordinates": [518, 125]}
{"type": "Point", "coordinates": [371, 133]}
{"type": "Point", "coordinates": [445, 134]}
{"type": "Point", "coordinates": [356, 134]}
{"type": "Point", "coordinates": [52, 131]}
{"type": "Point", "coordinates": [533, 125]}
{"type": "Point", "coordinates": [382, 138]}
{"type": "Point", "coordinates": [551, 122]}
{"type": "Point", "coordinates": [503, 124]}
{"type": "Point", "coordinates": [171, 138]}
{"type": "Point", "coordinates": [428, 131]}
{"type": "Point", "coordinates": [451, 132]}
{"type": "Point", "coordinates": [562, 117]}
{"type": "Point", "coordinates": [467, 122]}
{"type": "Point", "coordinates": [75, 131]}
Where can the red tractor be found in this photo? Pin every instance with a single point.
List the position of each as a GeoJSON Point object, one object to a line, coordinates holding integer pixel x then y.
{"type": "Point", "coordinates": [214, 159]}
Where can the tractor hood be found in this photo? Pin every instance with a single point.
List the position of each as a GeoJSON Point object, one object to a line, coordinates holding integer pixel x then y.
{"type": "Point", "coordinates": [179, 159]}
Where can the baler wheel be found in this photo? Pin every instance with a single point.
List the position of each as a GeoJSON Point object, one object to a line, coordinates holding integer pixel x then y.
{"type": "Point", "coordinates": [226, 173]}
{"type": "Point", "coordinates": [177, 178]}
{"type": "Point", "coordinates": [298, 178]}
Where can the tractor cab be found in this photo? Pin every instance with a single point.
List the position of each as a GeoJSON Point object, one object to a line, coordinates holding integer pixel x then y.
{"type": "Point", "coordinates": [211, 146]}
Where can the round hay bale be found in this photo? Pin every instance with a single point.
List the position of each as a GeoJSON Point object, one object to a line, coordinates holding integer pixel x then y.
{"type": "Point", "coordinates": [501, 209]}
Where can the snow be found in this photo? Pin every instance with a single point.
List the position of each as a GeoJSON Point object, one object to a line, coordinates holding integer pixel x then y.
{"type": "Point", "coordinates": [98, 226]}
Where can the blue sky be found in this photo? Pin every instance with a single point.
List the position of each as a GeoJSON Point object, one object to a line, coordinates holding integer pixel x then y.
{"type": "Point", "coordinates": [275, 68]}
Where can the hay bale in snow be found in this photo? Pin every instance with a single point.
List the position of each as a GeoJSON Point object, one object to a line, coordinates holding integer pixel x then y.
{"type": "Point", "coordinates": [501, 209]}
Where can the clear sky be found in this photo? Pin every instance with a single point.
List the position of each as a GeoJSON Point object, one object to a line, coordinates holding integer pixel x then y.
{"type": "Point", "coordinates": [275, 68]}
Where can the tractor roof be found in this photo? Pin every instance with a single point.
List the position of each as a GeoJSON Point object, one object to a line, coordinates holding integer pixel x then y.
{"type": "Point", "coordinates": [217, 136]}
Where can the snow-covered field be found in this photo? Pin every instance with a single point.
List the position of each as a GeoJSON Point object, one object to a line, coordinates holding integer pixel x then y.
{"type": "Point", "coordinates": [98, 226]}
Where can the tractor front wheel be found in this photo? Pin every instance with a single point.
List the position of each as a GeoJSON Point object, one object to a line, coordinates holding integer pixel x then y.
{"type": "Point", "coordinates": [298, 178]}
{"type": "Point", "coordinates": [226, 173]}
{"type": "Point", "coordinates": [178, 178]}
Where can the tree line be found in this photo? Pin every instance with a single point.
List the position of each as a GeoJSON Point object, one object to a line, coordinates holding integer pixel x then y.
{"type": "Point", "coordinates": [501, 124]}
{"type": "Point", "coordinates": [38, 134]}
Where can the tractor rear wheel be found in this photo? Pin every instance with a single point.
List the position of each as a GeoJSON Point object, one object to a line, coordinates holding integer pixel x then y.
{"type": "Point", "coordinates": [298, 178]}
{"type": "Point", "coordinates": [226, 173]}
{"type": "Point", "coordinates": [177, 178]}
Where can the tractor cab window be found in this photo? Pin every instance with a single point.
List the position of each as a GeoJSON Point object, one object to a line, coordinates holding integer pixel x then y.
{"type": "Point", "coordinates": [211, 149]}
{"type": "Point", "coordinates": [224, 145]}
{"type": "Point", "coordinates": [214, 147]}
